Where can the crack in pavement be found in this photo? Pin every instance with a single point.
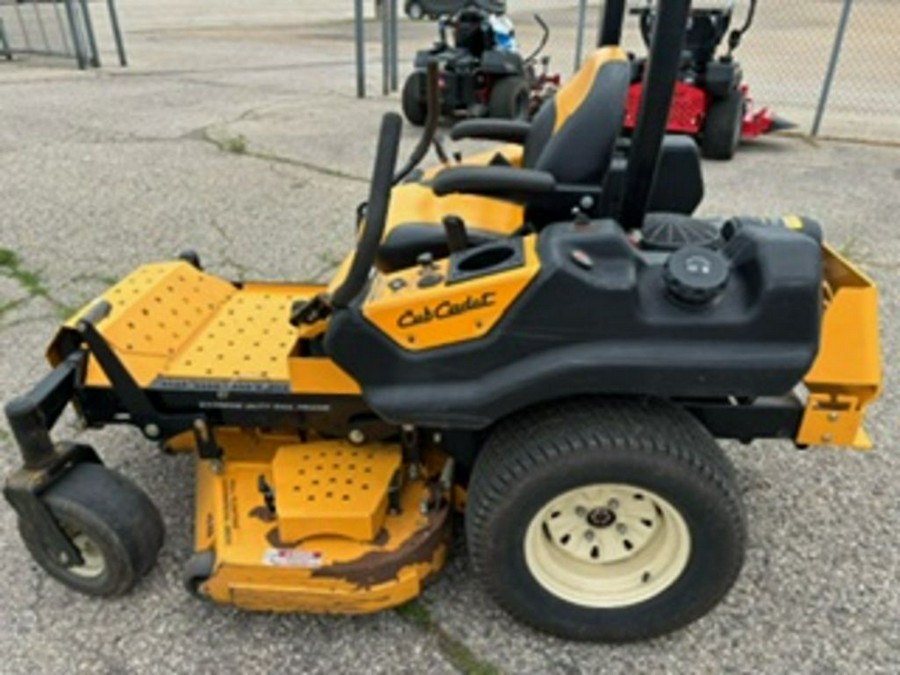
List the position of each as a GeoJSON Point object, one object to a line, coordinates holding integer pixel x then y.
{"type": "Point", "coordinates": [239, 145]}
{"type": "Point", "coordinates": [463, 659]}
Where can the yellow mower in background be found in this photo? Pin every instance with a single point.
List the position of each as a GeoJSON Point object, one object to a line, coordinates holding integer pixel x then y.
{"type": "Point", "coordinates": [543, 338]}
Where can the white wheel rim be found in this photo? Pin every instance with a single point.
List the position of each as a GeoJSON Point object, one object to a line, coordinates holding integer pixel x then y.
{"type": "Point", "coordinates": [607, 545]}
{"type": "Point", "coordinates": [93, 564]}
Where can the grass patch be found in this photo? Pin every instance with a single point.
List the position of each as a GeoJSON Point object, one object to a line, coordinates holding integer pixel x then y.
{"type": "Point", "coordinates": [31, 282]}
{"type": "Point", "coordinates": [460, 656]}
{"type": "Point", "coordinates": [237, 145]}
{"type": "Point", "coordinates": [100, 279]}
{"type": "Point", "coordinates": [11, 266]}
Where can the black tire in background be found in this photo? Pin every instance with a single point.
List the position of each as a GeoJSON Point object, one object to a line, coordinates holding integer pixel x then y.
{"type": "Point", "coordinates": [110, 520]}
{"type": "Point", "coordinates": [510, 98]}
{"type": "Point", "coordinates": [724, 124]}
{"type": "Point", "coordinates": [415, 107]}
{"type": "Point", "coordinates": [533, 458]}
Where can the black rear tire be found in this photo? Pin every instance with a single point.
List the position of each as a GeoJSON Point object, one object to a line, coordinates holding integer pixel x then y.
{"type": "Point", "coordinates": [115, 526]}
{"type": "Point", "coordinates": [531, 460]}
{"type": "Point", "coordinates": [723, 127]}
{"type": "Point", "coordinates": [415, 107]}
{"type": "Point", "coordinates": [510, 98]}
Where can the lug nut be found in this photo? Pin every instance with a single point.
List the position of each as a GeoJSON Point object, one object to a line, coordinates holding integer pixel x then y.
{"type": "Point", "coordinates": [621, 528]}
{"type": "Point", "coordinates": [580, 511]}
{"type": "Point", "coordinates": [613, 504]}
{"type": "Point", "coordinates": [589, 535]}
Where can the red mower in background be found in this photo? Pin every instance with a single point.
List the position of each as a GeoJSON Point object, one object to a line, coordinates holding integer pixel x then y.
{"type": "Point", "coordinates": [712, 102]}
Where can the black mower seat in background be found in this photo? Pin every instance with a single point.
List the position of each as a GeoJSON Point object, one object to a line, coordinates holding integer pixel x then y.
{"type": "Point", "coordinates": [569, 145]}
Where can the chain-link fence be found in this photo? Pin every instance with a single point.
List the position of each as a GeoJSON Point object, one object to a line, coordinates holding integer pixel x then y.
{"type": "Point", "coordinates": [55, 28]}
{"type": "Point", "coordinates": [786, 59]}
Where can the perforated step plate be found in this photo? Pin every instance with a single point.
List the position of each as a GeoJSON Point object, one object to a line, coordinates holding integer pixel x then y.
{"type": "Point", "coordinates": [175, 322]}
{"type": "Point", "coordinates": [333, 488]}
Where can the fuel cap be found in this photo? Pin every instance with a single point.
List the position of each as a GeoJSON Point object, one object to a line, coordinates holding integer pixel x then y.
{"type": "Point", "coordinates": [696, 275]}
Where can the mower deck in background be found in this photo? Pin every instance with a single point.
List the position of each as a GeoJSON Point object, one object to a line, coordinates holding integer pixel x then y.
{"type": "Point", "coordinates": [712, 102]}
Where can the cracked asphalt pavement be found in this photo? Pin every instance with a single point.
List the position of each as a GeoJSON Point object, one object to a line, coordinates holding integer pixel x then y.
{"type": "Point", "coordinates": [235, 133]}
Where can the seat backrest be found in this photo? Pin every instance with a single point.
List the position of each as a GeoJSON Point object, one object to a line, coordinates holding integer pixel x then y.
{"type": "Point", "coordinates": [471, 32]}
{"type": "Point", "coordinates": [705, 31]}
{"type": "Point", "coordinates": [574, 134]}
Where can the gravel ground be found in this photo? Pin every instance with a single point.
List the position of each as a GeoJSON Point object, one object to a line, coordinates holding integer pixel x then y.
{"type": "Point", "coordinates": [102, 171]}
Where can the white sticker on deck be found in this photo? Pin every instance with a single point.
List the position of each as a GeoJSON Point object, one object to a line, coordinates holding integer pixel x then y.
{"type": "Point", "coordinates": [287, 557]}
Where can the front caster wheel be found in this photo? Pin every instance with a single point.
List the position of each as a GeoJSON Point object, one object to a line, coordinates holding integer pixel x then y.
{"type": "Point", "coordinates": [113, 524]}
{"type": "Point", "coordinates": [605, 520]}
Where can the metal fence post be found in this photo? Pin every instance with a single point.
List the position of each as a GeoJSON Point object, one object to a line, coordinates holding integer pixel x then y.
{"type": "Point", "coordinates": [385, 48]}
{"type": "Point", "coordinates": [89, 31]}
{"type": "Point", "coordinates": [832, 66]}
{"type": "Point", "coordinates": [395, 47]}
{"type": "Point", "coordinates": [360, 34]}
{"type": "Point", "coordinates": [117, 31]}
{"type": "Point", "coordinates": [4, 43]}
{"type": "Point", "coordinates": [75, 29]}
{"type": "Point", "coordinates": [579, 36]}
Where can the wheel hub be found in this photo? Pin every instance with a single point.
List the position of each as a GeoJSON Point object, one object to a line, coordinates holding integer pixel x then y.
{"type": "Point", "coordinates": [601, 517]}
{"type": "Point", "coordinates": [93, 563]}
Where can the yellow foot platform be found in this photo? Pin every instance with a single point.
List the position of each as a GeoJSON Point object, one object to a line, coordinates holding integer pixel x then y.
{"type": "Point", "coordinates": [171, 323]}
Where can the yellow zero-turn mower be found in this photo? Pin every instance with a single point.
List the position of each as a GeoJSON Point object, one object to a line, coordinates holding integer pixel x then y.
{"type": "Point", "coordinates": [561, 378]}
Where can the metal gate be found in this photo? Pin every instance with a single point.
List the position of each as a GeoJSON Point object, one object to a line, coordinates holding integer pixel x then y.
{"type": "Point", "coordinates": [55, 28]}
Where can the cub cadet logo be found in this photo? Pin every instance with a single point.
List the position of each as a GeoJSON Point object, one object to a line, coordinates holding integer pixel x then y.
{"type": "Point", "coordinates": [446, 310]}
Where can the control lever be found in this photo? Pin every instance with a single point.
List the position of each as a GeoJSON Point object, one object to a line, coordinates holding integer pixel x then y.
{"type": "Point", "coordinates": [582, 220]}
{"type": "Point", "coordinates": [438, 143]}
{"type": "Point", "coordinates": [457, 237]}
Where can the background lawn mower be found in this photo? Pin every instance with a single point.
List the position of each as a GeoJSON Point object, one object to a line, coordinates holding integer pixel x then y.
{"type": "Point", "coordinates": [482, 74]}
{"type": "Point", "coordinates": [562, 382]}
{"type": "Point", "coordinates": [712, 102]}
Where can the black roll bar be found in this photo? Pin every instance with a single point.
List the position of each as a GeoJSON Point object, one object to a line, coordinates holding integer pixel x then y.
{"type": "Point", "coordinates": [660, 77]}
{"type": "Point", "coordinates": [613, 20]}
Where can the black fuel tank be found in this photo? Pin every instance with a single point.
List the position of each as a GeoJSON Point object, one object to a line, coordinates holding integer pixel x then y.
{"type": "Point", "coordinates": [605, 317]}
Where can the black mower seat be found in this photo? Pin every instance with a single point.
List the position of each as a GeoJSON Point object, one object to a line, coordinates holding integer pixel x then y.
{"type": "Point", "coordinates": [565, 155]}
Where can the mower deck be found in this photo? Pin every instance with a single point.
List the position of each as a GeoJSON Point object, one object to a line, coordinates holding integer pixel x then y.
{"type": "Point", "coordinates": [348, 537]}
